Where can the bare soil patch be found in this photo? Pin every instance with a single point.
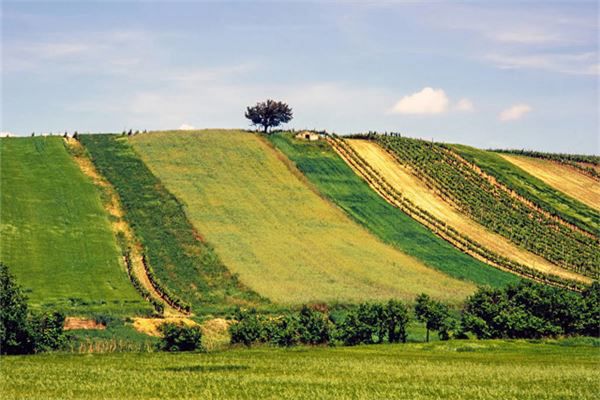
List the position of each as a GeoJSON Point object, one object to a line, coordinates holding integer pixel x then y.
{"type": "Point", "coordinates": [72, 323]}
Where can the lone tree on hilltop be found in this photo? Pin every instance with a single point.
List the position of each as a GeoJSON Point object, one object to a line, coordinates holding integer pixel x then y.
{"type": "Point", "coordinates": [269, 114]}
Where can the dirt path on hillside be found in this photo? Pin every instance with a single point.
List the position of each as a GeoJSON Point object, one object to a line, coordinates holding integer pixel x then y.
{"type": "Point", "coordinates": [112, 204]}
{"type": "Point", "coordinates": [416, 191]}
{"type": "Point", "coordinates": [565, 178]}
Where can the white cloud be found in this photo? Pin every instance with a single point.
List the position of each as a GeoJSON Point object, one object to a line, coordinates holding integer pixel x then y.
{"type": "Point", "coordinates": [186, 127]}
{"type": "Point", "coordinates": [464, 105]}
{"type": "Point", "coordinates": [427, 101]}
{"type": "Point", "coordinates": [514, 112]}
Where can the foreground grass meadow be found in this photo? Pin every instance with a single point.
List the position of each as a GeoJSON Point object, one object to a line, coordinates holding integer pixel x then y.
{"type": "Point", "coordinates": [451, 370]}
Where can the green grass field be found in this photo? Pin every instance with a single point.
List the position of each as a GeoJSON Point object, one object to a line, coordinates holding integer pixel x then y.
{"type": "Point", "coordinates": [183, 263]}
{"type": "Point", "coordinates": [533, 188]}
{"type": "Point", "coordinates": [441, 370]}
{"type": "Point", "coordinates": [56, 236]}
{"type": "Point", "coordinates": [268, 226]}
{"type": "Point", "coordinates": [336, 180]}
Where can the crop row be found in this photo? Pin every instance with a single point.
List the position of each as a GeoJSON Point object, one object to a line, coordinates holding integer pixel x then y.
{"type": "Point", "coordinates": [439, 227]}
{"type": "Point", "coordinates": [158, 306]}
{"type": "Point", "coordinates": [165, 293]}
{"type": "Point", "coordinates": [494, 207]}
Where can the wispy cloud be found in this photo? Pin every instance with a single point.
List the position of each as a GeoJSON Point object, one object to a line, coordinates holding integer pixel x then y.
{"type": "Point", "coordinates": [515, 112]}
{"type": "Point", "coordinates": [464, 105]}
{"type": "Point", "coordinates": [576, 64]}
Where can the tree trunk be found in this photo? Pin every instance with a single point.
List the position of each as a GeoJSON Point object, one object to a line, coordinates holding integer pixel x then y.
{"type": "Point", "coordinates": [266, 127]}
{"type": "Point", "coordinates": [427, 335]}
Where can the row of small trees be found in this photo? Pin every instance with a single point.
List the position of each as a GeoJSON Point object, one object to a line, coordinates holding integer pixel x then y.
{"type": "Point", "coordinates": [526, 310]}
{"type": "Point", "coordinates": [366, 323]}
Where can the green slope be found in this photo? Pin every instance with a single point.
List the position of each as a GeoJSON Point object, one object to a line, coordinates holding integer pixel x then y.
{"type": "Point", "coordinates": [55, 235]}
{"type": "Point", "coordinates": [283, 239]}
{"type": "Point", "coordinates": [184, 264]}
{"type": "Point", "coordinates": [335, 180]}
{"type": "Point", "coordinates": [532, 188]}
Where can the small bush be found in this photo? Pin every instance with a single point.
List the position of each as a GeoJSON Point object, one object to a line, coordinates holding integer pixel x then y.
{"type": "Point", "coordinates": [180, 338]}
{"type": "Point", "coordinates": [314, 327]}
{"type": "Point", "coordinates": [249, 329]}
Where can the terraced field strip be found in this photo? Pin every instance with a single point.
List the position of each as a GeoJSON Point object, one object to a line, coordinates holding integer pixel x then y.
{"type": "Point", "coordinates": [133, 256]}
{"type": "Point", "coordinates": [184, 269]}
{"type": "Point", "coordinates": [267, 225]}
{"type": "Point", "coordinates": [568, 180]}
{"type": "Point", "coordinates": [333, 179]}
{"type": "Point", "coordinates": [55, 234]}
{"type": "Point", "coordinates": [417, 192]}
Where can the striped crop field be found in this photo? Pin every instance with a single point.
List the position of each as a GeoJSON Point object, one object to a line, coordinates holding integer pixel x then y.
{"type": "Point", "coordinates": [335, 180]}
{"type": "Point", "coordinates": [417, 191]}
{"type": "Point", "coordinates": [272, 228]}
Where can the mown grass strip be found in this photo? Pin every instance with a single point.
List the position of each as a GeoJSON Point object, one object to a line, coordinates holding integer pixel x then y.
{"type": "Point", "coordinates": [337, 182]}
{"type": "Point", "coordinates": [55, 234]}
{"type": "Point", "coordinates": [532, 188]}
{"type": "Point", "coordinates": [186, 267]}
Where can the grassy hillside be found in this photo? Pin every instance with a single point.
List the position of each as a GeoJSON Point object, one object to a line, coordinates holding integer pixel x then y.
{"type": "Point", "coordinates": [492, 206]}
{"type": "Point", "coordinates": [183, 263]}
{"type": "Point", "coordinates": [335, 180]}
{"type": "Point", "coordinates": [533, 188]}
{"type": "Point", "coordinates": [283, 239]}
{"type": "Point", "coordinates": [422, 196]}
{"type": "Point", "coordinates": [563, 177]}
{"type": "Point", "coordinates": [55, 235]}
{"type": "Point", "coordinates": [443, 370]}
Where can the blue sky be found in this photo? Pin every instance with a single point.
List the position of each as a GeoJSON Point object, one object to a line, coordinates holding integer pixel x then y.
{"type": "Point", "coordinates": [504, 74]}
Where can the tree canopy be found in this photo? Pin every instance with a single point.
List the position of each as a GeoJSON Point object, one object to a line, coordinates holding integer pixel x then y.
{"type": "Point", "coordinates": [269, 114]}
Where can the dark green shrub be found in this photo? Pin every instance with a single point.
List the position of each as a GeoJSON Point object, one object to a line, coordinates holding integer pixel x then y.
{"type": "Point", "coordinates": [396, 318]}
{"type": "Point", "coordinates": [283, 331]}
{"type": "Point", "coordinates": [180, 337]}
{"type": "Point", "coordinates": [14, 326]}
{"type": "Point", "coordinates": [47, 331]}
{"type": "Point", "coordinates": [314, 327]}
{"type": "Point", "coordinates": [250, 328]}
{"type": "Point", "coordinates": [529, 310]}
{"type": "Point", "coordinates": [20, 332]}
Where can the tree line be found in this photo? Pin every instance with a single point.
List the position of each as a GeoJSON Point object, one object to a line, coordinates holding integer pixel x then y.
{"type": "Point", "coordinates": [525, 310]}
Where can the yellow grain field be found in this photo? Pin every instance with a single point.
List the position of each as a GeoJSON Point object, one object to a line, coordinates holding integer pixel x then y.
{"type": "Point", "coordinates": [562, 177]}
{"type": "Point", "coordinates": [268, 226]}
